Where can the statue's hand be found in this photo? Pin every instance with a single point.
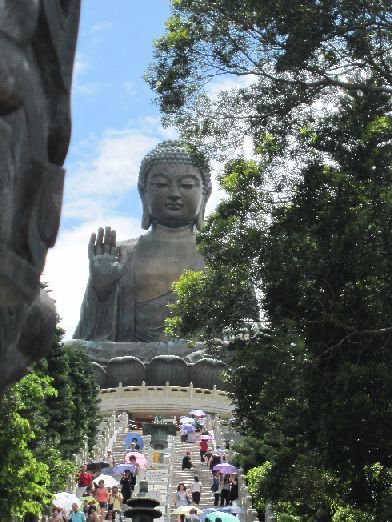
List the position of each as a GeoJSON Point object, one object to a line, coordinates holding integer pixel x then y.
{"type": "Point", "coordinates": [105, 268]}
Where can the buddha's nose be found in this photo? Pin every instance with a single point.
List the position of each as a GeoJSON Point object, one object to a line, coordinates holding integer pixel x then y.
{"type": "Point", "coordinates": [174, 191]}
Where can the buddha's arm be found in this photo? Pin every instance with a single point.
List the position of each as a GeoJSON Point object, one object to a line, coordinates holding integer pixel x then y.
{"type": "Point", "coordinates": [99, 308]}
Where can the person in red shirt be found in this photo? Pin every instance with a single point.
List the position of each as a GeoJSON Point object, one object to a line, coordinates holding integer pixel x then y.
{"type": "Point", "coordinates": [84, 480]}
{"type": "Point", "coordinates": [203, 449]}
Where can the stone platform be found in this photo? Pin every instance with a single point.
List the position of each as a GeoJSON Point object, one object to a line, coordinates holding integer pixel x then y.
{"type": "Point", "coordinates": [102, 352]}
{"type": "Point", "coordinates": [155, 363]}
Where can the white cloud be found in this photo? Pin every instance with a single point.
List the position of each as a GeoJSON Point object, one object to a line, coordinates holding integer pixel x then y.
{"type": "Point", "coordinates": [228, 83]}
{"type": "Point", "coordinates": [101, 26]}
{"type": "Point", "coordinates": [87, 89]}
{"type": "Point", "coordinates": [109, 170]}
{"type": "Point", "coordinates": [129, 88]}
{"type": "Point", "coordinates": [80, 66]}
{"type": "Point", "coordinates": [66, 269]}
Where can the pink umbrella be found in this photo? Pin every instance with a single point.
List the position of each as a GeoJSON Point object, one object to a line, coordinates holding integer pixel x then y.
{"type": "Point", "coordinates": [205, 437]}
{"type": "Point", "coordinates": [140, 459]}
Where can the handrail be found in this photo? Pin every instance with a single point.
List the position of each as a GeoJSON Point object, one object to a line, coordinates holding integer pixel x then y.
{"type": "Point", "coordinates": [106, 436]}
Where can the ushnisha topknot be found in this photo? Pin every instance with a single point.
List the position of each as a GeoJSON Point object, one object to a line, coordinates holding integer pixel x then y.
{"type": "Point", "coordinates": [172, 151]}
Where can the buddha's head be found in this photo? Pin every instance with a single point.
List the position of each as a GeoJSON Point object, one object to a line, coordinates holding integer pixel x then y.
{"type": "Point", "coordinates": [173, 186]}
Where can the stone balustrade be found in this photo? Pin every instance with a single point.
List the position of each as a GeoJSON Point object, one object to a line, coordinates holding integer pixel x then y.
{"type": "Point", "coordinates": [164, 400]}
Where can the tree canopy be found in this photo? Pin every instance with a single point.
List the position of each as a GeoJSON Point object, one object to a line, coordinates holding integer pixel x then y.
{"type": "Point", "coordinates": [282, 58]}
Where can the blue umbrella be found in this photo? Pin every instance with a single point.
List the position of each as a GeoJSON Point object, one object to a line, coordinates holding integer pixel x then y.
{"type": "Point", "coordinates": [130, 436]}
{"type": "Point", "coordinates": [227, 509]}
{"type": "Point", "coordinates": [225, 517]}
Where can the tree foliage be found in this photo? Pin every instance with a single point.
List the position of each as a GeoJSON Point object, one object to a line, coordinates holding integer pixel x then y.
{"type": "Point", "coordinates": [279, 57]}
{"type": "Point", "coordinates": [312, 388]}
{"type": "Point", "coordinates": [43, 419]}
{"type": "Point", "coordinates": [24, 479]}
{"type": "Point", "coordinates": [74, 411]}
{"type": "Point", "coordinates": [307, 224]}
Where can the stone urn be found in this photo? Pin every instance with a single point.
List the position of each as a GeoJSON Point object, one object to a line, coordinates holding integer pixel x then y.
{"type": "Point", "coordinates": [101, 377]}
{"type": "Point", "coordinates": [128, 370]}
{"type": "Point", "coordinates": [142, 509]}
{"type": "Point", "coordinates": [159, 434]}
{"type": "Point", "coordinates": [167, 368]}
{"type": "Point", "coordinates": [206, 373]}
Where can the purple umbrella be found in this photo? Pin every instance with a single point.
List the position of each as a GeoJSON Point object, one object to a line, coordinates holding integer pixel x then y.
{"type": "Point", "coordinates": [198, 413]}
{"type": "Point", "coordinates": [120, 468]}
{"type": "Point", "coordinates": [225, 468]}
{"type": "Point", "coordinates": [187, 427]}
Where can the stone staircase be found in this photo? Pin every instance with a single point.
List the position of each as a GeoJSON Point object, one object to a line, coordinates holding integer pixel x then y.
{"type": "Point", "coordinates": [163, 481]}
{"type": "Point", "coordinates": [186, 475]}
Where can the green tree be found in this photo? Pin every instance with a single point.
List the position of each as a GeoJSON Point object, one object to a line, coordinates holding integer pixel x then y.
{"type": "Point", "coordinates": [312, 389]}
{"type": "Point", "coordinates": [73, 412]}
{"type": "Point", "coordinates": [43, 419]}
{"type": "Point", "coordinates": [24, 479]}
{"type": "Point", "coordinates": [307, 225]}
{"type": "Point", "coordinates": [285, 55]}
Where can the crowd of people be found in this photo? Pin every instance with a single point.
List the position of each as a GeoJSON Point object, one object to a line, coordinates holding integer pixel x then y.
{"type": "Point", "coordinates": [224, 487]}
{"type": "Point", "coordinates": [99, 502]}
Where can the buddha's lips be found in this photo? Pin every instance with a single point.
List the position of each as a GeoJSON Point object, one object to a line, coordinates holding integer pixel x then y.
{"type": "Point", "coordinates": [174, 206]}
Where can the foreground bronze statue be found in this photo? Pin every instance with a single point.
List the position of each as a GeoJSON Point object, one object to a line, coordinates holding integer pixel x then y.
{"type": "Point", "coordinates": [130, 282]}
{"type": "Point", "coordinates": [37, 42]}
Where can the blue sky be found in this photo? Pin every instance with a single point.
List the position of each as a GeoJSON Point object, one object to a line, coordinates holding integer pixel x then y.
{"type": "Point", "coordinates": [115, 124]}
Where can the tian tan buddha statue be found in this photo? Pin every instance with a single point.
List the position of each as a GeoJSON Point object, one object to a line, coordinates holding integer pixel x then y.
{"type": "Point", "coordinates": [130, 282]}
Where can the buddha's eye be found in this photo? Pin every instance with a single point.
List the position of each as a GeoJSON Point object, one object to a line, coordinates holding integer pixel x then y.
{"type": "Point", "coordinates": [188, 186]}
{"type": "Point", "coordinates": [161, 184]}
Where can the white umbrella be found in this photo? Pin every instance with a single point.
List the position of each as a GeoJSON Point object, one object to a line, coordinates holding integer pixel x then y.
{"type": "Point", "coordinates": [184, 510]}
{"type": "Point", "coordinates": [65, 500]}
{"type": "Point", "coordinates": [108, 481]}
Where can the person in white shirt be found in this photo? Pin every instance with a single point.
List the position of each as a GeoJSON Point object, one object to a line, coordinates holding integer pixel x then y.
{"type": "Point", "coordinates": [221, 452]}
{"type": "Point", "coordinates": [196, 490]}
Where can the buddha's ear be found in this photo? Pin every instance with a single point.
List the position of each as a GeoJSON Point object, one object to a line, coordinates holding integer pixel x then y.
{"type": "Point", "coordinates": [146, 221]}
{"type": "Point", "coordinates": [199, 221]}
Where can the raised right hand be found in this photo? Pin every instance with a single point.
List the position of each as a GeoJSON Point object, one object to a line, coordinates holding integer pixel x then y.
{"type": "Point", "coordinates": [105, 267]}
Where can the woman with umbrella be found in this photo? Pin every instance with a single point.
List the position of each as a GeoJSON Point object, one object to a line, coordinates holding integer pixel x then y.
{"type": "Point", "coordinates": [225, 490]}
{"type": "Point", "coordinates": [56, 516]}
{"type": "Point", "coordinates": [101, 494]}
{"type": "Point", "coordinates": [234, 488]}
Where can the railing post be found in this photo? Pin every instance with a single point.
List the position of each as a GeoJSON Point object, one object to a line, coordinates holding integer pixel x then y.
{"type": "Point", "coordinates": [269, 514]}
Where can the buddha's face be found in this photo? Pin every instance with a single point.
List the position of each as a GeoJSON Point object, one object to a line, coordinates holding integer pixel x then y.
{"type": "Point", "coordinates": [174, 194]}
